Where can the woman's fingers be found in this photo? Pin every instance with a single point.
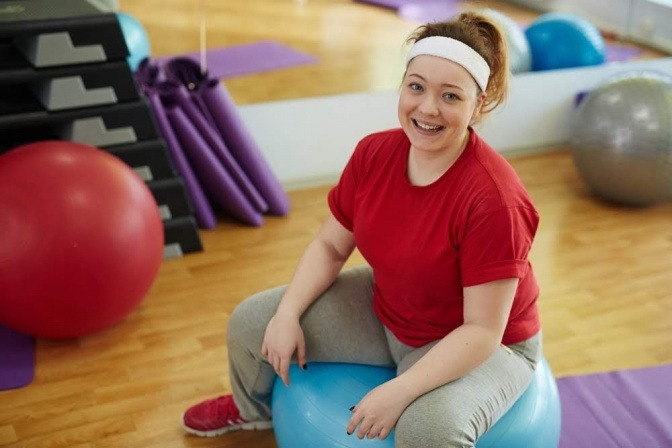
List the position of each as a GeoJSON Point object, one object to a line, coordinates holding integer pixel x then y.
{"type": "Point", "coordinates": [284, 370]}
{"type": "Point", "coordinates": [358, 420]}
{"type": "Point", "coordinates": [301, 352]}
{"type": "Point", "coordinates": [280, 365]}
{"type": "Point", "coordinates": [364, 428]}
{"type": "Point", "coordinates": [354, 421]}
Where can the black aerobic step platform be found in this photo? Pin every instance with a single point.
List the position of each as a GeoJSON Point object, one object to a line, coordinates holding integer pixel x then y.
{"type": "Point", "coordinates": [150, 160]}
{"type": "Point", "coordinates": [181, 237]}
{"type": "Point", "coordinates": [27, 89]}
{"type": "Point", "coordinates": [61, 32]}
{"type": "Point", "coordinates": [171, 197]}
{"type": "Point", "coordinates": [102, 126]}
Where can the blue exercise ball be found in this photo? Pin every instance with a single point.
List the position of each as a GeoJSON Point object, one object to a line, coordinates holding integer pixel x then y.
{"type": "Point", "coordinates": [560, 40]}
{"type": "Point", "coordinates": [137, 40]}
{"type": "Point", "coordinates": [622, 139]}
{"type": "Point", "coordinates": [520, 56]}
{"type": "Point", "coordinates": [314, 409]}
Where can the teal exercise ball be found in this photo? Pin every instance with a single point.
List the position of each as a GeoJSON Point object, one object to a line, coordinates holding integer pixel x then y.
{"type": "Point", "coordinates": [561, 40]}
{"type": "Point", "coordinates": [136, 39]}
{"type": "Point", "coordinates": [314, 409]}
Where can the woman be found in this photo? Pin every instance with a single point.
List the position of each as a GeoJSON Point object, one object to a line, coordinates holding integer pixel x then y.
{"type": "Point", "coordinates": [449, 295]}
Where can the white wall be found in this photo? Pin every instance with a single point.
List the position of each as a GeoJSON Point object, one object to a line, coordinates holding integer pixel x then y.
{"type": "Point", "coordinates": [651, 23]}
{"type": "Point", "coordinates": [308, 141]}
{"type": "Point", "coordinates": [645, 21]}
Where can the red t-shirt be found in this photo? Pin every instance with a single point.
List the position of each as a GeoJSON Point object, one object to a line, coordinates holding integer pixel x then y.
{"type": "Point", "coordinates": [473, 225]}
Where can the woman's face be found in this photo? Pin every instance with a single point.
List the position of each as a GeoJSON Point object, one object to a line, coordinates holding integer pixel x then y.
{"type": "Point", "coordinates": [438, 100]}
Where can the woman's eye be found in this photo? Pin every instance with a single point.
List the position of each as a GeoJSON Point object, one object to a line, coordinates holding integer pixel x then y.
{"type": "Point", "coordinates": [450, 97]}
{"type": "Point", "coordinates": [415, 86]}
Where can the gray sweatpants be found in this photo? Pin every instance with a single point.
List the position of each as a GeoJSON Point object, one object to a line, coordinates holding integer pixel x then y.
{"type": "Point", "coordinates": [341, 327]}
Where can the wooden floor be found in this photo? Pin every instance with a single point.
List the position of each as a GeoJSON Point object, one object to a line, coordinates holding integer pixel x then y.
{"type": "Point", "coordinates": [605, 299]}
{"type": "Point", "coordinates": [604, 271]}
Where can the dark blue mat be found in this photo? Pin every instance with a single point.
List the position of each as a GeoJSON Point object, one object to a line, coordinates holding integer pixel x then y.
{"type": "Point", "coordinates": [17, 359]}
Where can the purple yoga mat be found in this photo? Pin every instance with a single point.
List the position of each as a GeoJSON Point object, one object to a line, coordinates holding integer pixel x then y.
{"type": "Point", "coordinates": [151, 80]}
{"type": "Point", "coordinates": [618, 53]}
{"type": "Point", "coordinates": [205, 215]}
{"type": "Point", "coordinates": [390, 4]}
{"type": "Point", "coordinates": [424, 11]}
{"type": "Point", "coordinates": [237, 138]}
{"type": "Point", "coordinates": [622, 409]}
{"type": "Point", "coordinates": [240, 60]}
{"type": "Point", "coordinates": [398, 4]}
{"type": "Point", "coordinates": [209, 132]}
{"type": "Point", "coordinates": [430, 11]}
{"type": "Point", "coordinates": [243, 146]}
{"type": "Point", "coordinates": [17, 359]}
{"type": "Point", "coordinates": [218, 183]}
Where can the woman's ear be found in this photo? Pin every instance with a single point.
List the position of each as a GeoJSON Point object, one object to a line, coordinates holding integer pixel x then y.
{"type": "Point", "coordinates": [477, 107]}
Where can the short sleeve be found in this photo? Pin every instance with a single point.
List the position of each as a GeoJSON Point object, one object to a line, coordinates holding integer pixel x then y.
{"type": "Point", "coordinates": [496, 245]}
{"type": "Point", "coordinates": [342, 197]}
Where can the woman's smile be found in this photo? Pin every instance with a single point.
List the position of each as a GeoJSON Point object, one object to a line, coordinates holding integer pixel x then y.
{"type": "Point", "coordinates": [427, 128]}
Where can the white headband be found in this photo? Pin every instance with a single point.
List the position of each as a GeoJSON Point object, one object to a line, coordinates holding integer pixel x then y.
{"type": "Point", "coordinates": [456, 51]}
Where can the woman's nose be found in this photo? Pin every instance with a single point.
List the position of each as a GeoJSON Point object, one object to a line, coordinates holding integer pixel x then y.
{"type": "Point", "coordinates": [428, 106]}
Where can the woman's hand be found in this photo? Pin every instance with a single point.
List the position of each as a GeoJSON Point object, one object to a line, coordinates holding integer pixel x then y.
{"type": "Point", "coordinates": [283, 337]}
{"type": "Point", "coordinates": [377, 413]}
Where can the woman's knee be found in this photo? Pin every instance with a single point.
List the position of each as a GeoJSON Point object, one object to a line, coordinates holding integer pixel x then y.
{"type": "Point", "coordinates": [428, 424]}
{"type": "Point", "coordinates": [252, 315]}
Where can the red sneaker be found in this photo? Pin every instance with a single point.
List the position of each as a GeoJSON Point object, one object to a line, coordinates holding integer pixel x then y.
{"type": "Point", "coordinates": [217, 416]}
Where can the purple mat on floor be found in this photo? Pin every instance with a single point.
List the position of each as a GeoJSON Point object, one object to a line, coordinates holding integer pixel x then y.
{"type": "Point", "coordinates": [398, 5]}
{"type": "Point", "coordinates": [429, 11]}
{"type": "Point", "coordinates": [392, 4]}
{"type": "Point", "coordinates": [17, 359]}
{"type": "Point", "coordinates": [240, 60]}
{"type": "Point", "coordinates": [622, 409]}
{"type": "Point", "coordinates": [617, 53]}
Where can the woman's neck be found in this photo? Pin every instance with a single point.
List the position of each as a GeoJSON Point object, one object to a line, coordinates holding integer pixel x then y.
{"type": "Point", "coordinates": [425, 167]}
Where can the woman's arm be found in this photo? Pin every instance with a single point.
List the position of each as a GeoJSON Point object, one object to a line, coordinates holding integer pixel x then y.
{"type": "Point", "coordinates": [320, 264]}
{"type": "Point", "coordinates": [486, 312]}
{"type": "Point", "coordinates": [318, 267]}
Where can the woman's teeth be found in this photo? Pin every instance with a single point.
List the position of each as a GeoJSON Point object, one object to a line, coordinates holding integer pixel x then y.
{"type": "Point", "coordinates": [426, 127]}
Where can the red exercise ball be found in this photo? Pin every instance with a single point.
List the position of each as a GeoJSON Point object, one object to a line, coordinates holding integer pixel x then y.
{"type": "Point", "coordinates": [81, 239]}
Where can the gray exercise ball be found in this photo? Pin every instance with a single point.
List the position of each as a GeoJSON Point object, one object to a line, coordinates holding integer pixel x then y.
{"type": "Point", "coordinates": [622, 139]}
{"type": "Point", "coordinates": [520, 56]}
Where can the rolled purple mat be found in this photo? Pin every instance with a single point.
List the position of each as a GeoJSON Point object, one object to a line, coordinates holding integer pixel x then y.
{"type": "Point", "coordinates": [149, 75]}
{"type": "Point", "coordinates": [231, 127]}
{"type": "Point", "coordinates": [241, 144]}
{"type": "Point", "coordinates": [151, 80]}
{"type": "Point", "coordinates": [220, 186]}
{"type": "Point", "coordinates": [203, 109]}
{"type": "Point", "coordinates": [205, 215]}
{"type": "Point", "coordinates": [212, 138]}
